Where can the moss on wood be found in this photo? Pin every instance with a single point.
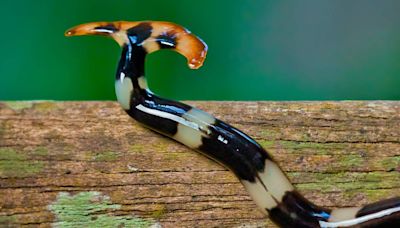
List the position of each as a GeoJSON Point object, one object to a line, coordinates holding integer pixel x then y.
{"type": "Point", "coordinates": [92, 209]}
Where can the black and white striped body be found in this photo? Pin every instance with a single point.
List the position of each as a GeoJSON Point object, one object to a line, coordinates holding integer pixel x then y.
{"type": "Point", "coordinates": [261, 176]}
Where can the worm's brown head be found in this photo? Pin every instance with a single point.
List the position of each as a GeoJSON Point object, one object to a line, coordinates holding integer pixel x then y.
{"type": "Point", "coordinates": [151, 35]}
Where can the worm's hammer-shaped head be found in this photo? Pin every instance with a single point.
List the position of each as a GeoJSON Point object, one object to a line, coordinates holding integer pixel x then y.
{"type": "Point", "coordinates": [151, 35]}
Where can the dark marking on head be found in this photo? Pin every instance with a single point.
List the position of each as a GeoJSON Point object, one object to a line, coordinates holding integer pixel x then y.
{"type": "Point", "coordinates": [166, 40]}
{"type": "Point", "coordinates": [108, 27]}
{"type": "Point", "coordinates": [139, 33]}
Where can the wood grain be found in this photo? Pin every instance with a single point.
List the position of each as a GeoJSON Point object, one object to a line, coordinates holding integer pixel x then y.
{"type": "Point", "coordinates": [88, 163]}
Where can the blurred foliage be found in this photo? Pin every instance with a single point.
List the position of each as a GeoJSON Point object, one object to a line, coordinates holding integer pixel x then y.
{"type": "Point", "coordinates": [258, 50]}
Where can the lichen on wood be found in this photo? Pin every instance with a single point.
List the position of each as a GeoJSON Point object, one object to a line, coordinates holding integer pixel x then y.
{"type": "Point", "coordinates": [67, 164]}
{"type": "Point", "coordinates": [89, 209]}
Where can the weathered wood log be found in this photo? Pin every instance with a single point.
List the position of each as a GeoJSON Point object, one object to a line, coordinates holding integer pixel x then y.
{"type": "Point", "coordinates": [82, 164]}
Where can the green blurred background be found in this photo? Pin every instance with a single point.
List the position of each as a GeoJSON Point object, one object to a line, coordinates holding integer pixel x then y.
{"type": "Point", "coordinates": [258, 50]}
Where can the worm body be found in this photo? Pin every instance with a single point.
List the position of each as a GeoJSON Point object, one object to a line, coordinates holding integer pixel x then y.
{"type": "Point", "coordinates": [261, 176]}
